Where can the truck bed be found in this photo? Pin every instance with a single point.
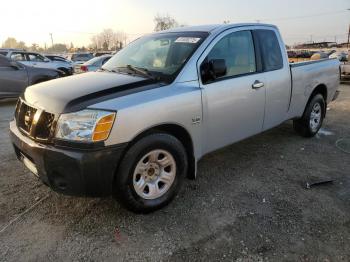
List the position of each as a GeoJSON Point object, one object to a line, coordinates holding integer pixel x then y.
{"type": "Point", "coordinates": [305, 76]}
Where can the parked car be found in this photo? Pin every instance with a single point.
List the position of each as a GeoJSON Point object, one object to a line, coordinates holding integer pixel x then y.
{"type": "Point", "coordinates": [4, 51]}
{"type": "Point", "coordinates": [345, 70]}
{"type": "Point", "coordinates": [92, 65]}
{"type": "Point", "coordinates": [304, 54]}
{"type": "Point", "coordinates": [138, 127]}
{"type": "Point", "coordinates": [101, 53]}
{"type": "Point", "coordinates": [319, 55]}
{"type": "Point", "coordinates": [292, 54]}
{"type": "Point", "coordinates": [37, 60]}
{"type": "Point", "coordinates": [15, 77]}
{"type": "Point", "coordinates": [58, 58]}
{"type": "Point", "coordinates": [80, 58]}
{"type": "Point", "coordinates": [341, 56]}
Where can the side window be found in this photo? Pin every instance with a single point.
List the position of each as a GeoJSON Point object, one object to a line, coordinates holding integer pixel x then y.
{"type": "Point", "coordinates": [237, 49]}
{"type": "Point", "coordinates": [17, 57]}
{"type": "Point", "coordinates": [35, 58]}
{"type": "Point", "coordinates": [270, 50]}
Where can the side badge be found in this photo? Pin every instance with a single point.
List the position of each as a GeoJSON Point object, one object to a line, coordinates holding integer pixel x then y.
{"type": "Point", "coordinates": [196, 120]}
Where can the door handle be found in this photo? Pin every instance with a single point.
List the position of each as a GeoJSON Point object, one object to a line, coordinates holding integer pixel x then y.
{"type": "Point", "coordinates": [257, 84]}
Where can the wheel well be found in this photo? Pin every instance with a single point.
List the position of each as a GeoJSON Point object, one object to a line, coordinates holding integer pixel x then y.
{"type": "Point", "coordinates": [182, 135]}
{"type": "Point", "coordinates": [320, 89]}
{"type": "Point", "coordinates": [63, 70]}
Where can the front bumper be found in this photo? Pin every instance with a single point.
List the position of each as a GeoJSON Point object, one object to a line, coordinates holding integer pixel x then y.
{"type": "Point", "coordinates": [69, 170]}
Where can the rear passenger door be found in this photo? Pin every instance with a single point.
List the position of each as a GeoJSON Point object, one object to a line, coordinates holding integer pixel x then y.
{"type": "Point", "coordinates": [277, 74]}
{"type": "Point", "coordinates": [233, 104]}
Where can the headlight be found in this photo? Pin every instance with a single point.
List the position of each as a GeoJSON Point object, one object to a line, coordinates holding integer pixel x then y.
{"type": "Point", "coordinates": [86, 125]}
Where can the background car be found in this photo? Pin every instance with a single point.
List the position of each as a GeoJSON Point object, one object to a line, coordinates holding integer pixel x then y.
{"type": "Point", "coordinates": [57, 58]}
{"type": "Point", "coordinates": [101, 53]}
{"type": "Point", "coordinates": [5, 51]}
{"type": "Point", "coordinates": [80, 58]}
{"type": "Point", "coordinates": [92, 65]}
{"type": "Point", "coordinates": [341, 56]}
{"type": "Point", "coordinates": [319, 55]}
{"type": "Point", "coordinates": [15, 77]}
{"type": "Point", "coordinates": [37, 60]}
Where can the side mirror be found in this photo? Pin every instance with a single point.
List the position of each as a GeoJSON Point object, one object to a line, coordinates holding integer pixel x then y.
{"type": "Point", "coordinates": [213, 69]}
{"type": "Point", "coordinates": [46, 60]}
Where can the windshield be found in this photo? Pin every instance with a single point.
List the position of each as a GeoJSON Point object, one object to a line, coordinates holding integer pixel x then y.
{"type": "Point", "coordinates": [161, 56]}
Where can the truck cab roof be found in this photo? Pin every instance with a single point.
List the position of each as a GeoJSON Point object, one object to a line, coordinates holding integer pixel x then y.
{"type": "Point", "coordinates": [213, 27]}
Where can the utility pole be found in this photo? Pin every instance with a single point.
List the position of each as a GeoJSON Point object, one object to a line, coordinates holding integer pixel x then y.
{"type": "Point", "coordinates": [348, 34]}
{"type": "Point", "coordinates": [348, 38]}
{"type": "Point", "coordinates": [51, 39]}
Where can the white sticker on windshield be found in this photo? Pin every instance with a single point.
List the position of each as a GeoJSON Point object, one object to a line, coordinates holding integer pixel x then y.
{"type": "Point", "coordinates": [189, 40]}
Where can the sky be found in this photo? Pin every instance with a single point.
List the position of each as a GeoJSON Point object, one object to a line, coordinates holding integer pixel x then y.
{"type": "Point", "coordinates": [76, 21]}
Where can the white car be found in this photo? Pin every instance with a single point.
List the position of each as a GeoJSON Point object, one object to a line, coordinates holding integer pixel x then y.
{"type": "Point", "coordinates": [37, 60]}
{"type": "Point", "coordinates": [341, 56]}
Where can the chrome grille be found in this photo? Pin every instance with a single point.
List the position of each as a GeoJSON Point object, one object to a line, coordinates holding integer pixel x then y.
{"type": "Point", "coordinates": [35, 123]}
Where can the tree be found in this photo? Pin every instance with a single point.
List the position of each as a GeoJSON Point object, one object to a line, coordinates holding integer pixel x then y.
{"type": "Point", "coordinates": [59, 48]}
{"type": "Point", "coordinates": [21, 45]}
{"type": "Point", "coordinates": [107, 36]}
{"type": "Point", "coordinates": [11, 42]}
{"type": "Point", "coordinates": [105, 46]}
{"type": "Point", "coordinates": [108, 39]}
{"type": "Point", "coordinates": [164, 22]}
{"type": "Point", "coordinates": [71, 47]}
{"type": "Point", "coordinates": [34, 47]}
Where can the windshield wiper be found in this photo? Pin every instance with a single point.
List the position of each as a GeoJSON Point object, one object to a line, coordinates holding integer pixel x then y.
{"type": "Point", "coordinates": [138, 70]}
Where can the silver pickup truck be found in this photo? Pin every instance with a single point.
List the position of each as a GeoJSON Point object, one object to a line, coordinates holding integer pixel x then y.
{"type": "Point", "coordinates": [136, 128]}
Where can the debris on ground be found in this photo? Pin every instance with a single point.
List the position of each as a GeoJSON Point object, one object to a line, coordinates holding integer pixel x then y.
{"type": "Point", "coordinates": [343, 144]}
{"type": "Point", "coordinates": [318, 183]}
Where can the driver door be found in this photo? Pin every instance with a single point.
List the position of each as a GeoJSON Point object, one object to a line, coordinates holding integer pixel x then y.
{"type": "Point", "coordinates": [233, 103]}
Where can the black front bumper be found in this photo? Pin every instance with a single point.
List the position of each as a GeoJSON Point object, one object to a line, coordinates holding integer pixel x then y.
{"type": "Point", "coordinates": [70, 170]}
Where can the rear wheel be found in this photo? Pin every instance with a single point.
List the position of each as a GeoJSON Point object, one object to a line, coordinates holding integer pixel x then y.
{"type": "Point", "coordinates": [151, 173]}
{"type": "Point", "coordinates": [312, 118]}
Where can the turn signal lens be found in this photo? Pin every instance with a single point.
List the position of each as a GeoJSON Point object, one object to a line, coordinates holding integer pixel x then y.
{"type": "Point", "coordinates": [103, 127]}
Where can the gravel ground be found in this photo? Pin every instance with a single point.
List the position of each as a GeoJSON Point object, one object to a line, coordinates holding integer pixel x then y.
{"type": "Point", "coordinates": [249, 203]}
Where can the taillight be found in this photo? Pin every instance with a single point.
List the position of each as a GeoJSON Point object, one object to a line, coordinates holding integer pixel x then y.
{"type": "Point", "coordinates": [84, 68]}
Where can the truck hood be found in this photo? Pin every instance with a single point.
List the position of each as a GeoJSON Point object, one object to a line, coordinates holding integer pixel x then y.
{"type": "Point", "coordinates": [76, 92]}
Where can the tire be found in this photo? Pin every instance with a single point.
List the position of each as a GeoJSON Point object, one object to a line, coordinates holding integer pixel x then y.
{"type": "Point", "coordinates": [137, 169]}
{"type": "Point", "coordinates": [312, 119]}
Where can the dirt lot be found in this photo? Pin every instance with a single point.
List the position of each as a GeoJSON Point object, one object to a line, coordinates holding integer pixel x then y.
{"type": "Point", "coordinates": [249, 203]}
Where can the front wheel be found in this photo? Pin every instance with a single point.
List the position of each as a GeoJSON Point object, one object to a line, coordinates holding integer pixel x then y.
{"type": "Point", "coordinates": [312, 118]}
{"type": "Point", "coordinates": [151, 173]}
